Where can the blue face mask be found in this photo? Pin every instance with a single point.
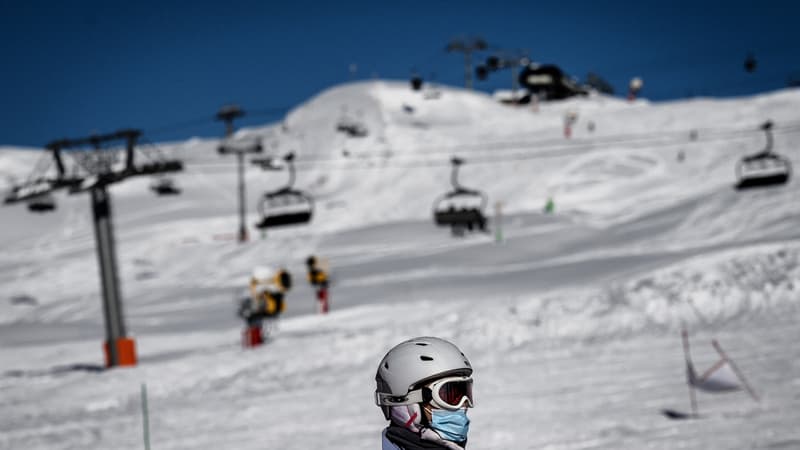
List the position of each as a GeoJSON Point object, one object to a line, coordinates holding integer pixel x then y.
{"type": "Point", "coordinates": [451, 425]}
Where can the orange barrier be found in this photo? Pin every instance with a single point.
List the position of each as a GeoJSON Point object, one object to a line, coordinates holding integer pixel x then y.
{"type": "Point", "coordinates": [126, 352]}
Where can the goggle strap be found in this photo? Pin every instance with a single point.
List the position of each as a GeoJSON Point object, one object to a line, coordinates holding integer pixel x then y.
{"type": "Point", "coordinates": [427, 394]}
{"type": "Point", "coordinates": [384, 399]}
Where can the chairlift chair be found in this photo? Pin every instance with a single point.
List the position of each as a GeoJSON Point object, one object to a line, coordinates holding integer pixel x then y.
{"type": "Point", "coordinates": [164, 186]}
{"type": "Point", "coordinates": [285, 206]}
{"type": "Point", "coordinates": [460, 208]}
{"type": "Point", "coordinates": [42, 203]}
{"type": "Point", "coordinates": [764, 168]}
{"type": "Point", "coordinates": [352, 129]}
{"type": "Point", "coordinates": [416, 83]}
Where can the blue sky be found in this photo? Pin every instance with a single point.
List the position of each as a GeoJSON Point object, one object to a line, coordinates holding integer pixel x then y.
{"type": "Point", "coordinates": [73, 68]}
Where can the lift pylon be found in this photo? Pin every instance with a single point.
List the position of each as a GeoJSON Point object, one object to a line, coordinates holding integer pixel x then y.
{"type": "Point", "coordinates": [227, 114]}
{"type": "Point", "coordinates": [94, 170]}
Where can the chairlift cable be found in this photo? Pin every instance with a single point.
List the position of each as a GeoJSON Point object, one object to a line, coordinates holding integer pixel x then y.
{"type": "Point", "coordinates": [484, 156]}
{"type": "Point", "coordinates": [180, 126]}
{"type": "Point", "coordinates": [162, 154]}
{"type": "Point", "coordinates": [541, 152]}
{"type": "Point", "coordinates": [268, 112]}
{"type": "Point", "coordinates": [480, 154]}
{"type": "Point", "coordinates": [40, 168]}
{"type": "Point", "coordinates": [557, 143]}
{"type": "Point", "coordinates": [207, 120]}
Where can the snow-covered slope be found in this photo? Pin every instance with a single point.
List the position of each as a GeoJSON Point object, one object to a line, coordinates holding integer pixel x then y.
{"type": "Point", "coordinates": [571, 320]}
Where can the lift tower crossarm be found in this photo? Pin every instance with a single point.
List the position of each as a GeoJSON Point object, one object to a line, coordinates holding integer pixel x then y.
{"type": "Point", "coordinates": [467, 46]}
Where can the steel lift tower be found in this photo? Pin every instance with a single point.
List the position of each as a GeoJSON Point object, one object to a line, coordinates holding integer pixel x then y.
{"type": "Point", "coordinates": [227, 114]}
{"type": "Point", "coordinates": [94, 169]}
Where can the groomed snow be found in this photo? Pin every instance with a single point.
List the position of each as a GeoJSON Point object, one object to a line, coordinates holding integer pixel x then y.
{"type": "Point", "coordinates": [572, 321]}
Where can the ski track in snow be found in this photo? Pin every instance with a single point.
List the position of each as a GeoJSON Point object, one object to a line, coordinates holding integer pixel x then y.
{"type": "Point", "coordinates": [572, 322]}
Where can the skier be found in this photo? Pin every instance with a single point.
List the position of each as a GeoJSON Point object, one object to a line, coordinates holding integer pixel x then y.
{"type": "Point", "coordinates": [570, 117]}
{"type": "Point", "coordinates": [634, 87]}
{"type": "Point", "coordinates": [268, 288]}
{"type": "Point", "coordinates": [319, 280]}
{"type": "Point", "coordinates": [424, 387]}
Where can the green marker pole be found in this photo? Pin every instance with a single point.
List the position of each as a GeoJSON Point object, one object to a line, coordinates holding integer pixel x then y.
{"type": "Point", "coordinates": [550, 206]}
{"type": "Point", "coordinates": [498, 214]}
{"type": "Point", "coordinates": [145, 418]}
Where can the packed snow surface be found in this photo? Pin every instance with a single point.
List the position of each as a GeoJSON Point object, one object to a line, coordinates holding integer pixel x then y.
{"type": "Point", "coordinates": [572, 320]}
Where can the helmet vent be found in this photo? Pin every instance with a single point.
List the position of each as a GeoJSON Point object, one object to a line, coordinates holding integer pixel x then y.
{"type": "Point", "coordinates": [425, 358]}
{"type": "Point", "coordinates": [386, 365]}
{"type": "Point", "coordinates": [423, 344]}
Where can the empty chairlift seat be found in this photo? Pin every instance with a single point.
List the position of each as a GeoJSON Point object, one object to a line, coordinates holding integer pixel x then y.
{"type": "Point", "coordinates": [765, 168]}
{"type": "Point", "coordinates": [285, 206]}
{"type": "Point", "coordinates": [42, 203]}
{"type": "Point", "coordinates": [164, 186]}
{"type": "Point", "coordinates": [352, 128]}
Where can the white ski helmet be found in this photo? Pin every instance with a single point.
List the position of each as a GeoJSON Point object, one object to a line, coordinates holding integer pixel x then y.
{"type": "Point", "coordinates": [410, 364]}
{"type": "Point", "coordinates": [263, 274]}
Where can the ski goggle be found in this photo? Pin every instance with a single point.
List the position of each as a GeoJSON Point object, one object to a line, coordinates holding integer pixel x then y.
{"type": "Point", "coordinates": [450, 393]}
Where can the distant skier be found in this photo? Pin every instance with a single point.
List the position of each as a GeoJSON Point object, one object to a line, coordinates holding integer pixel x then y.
{"type": "Point", "coordinates": [267, 292]}
{"type": "Point", "coordinates": [570, 117]}
{"type": "Point", "coordinates": [424, 387]}
{"type": "Point", "coordinates": [319, 280]}
{"type": "Point", "coordinates": [634, 87]}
